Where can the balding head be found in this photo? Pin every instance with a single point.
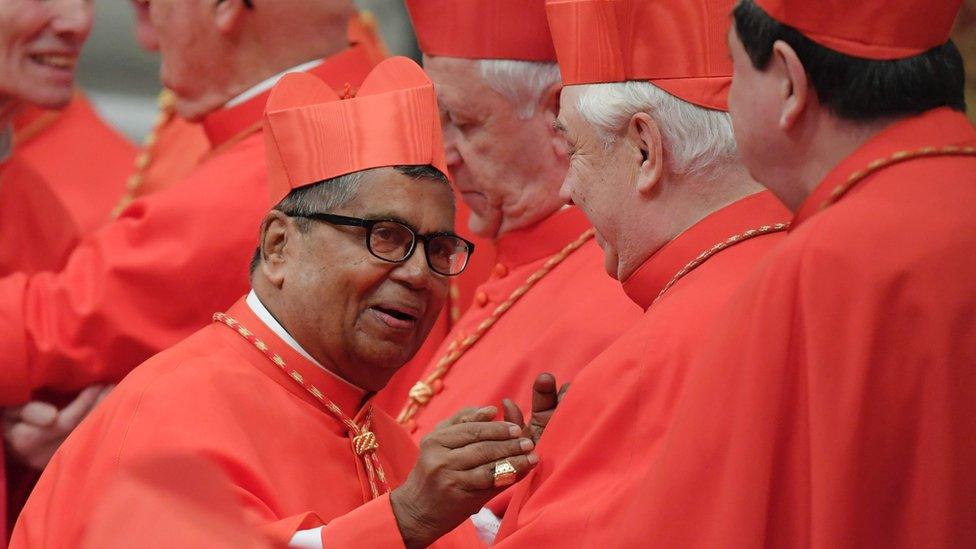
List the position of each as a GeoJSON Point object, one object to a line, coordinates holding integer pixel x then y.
{"type": "Point", "coordinates": [213, 51]}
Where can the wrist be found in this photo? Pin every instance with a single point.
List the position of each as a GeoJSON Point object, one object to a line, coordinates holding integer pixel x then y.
{"type": "Point", "coordinates": [416, 528]}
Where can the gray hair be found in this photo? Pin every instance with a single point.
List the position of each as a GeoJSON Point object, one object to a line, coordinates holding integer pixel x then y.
{"type": "Point", "coordinates": [521, 82]}
{"type": "Point", "coordinates": [696, 139]}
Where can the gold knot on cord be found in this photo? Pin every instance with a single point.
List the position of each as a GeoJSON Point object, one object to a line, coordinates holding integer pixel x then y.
{"type": "Point", "coordinates": [421, 392]}
{"type": "Point", "coordinates": [365, 443]}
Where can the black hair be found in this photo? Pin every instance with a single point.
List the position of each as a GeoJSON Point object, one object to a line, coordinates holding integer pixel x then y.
{"type": "Point", "coordinates": [855, 88]}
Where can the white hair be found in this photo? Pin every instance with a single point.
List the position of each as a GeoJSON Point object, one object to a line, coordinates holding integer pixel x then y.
{"type": "Point", "coordinates": [521, 82]}
{"type": "Point", "coordinates": [696, 139]}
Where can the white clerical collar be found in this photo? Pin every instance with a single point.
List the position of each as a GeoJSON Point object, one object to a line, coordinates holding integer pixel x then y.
{"type": "Point", "coordinates": [262, 312]}
{"type": "Point", "coordinates": [266, 85]}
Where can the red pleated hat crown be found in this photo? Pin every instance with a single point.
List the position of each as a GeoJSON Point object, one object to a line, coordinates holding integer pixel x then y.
{"type": "Point", "coordinates": [678, 45]}
{"type": "Point", "coordinates": [871, 29]}
{"type": "Point", "coordinates": [483, 29]}
{"type": "Point", "coordinates": [311, 134]}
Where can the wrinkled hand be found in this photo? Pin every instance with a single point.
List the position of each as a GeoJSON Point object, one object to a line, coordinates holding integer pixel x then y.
{"type": "Point", "coordinates": [545, 398]}
{"type": "Point", "coordinates": [454, 474]}
{"type": "Point", "coordinates": [35, 430]}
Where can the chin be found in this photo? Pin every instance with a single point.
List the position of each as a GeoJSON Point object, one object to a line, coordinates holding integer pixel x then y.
{"type": "Point", "coordinates": [53, 101]}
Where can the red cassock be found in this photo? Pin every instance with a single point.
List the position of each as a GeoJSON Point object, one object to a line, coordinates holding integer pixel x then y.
{"type": "Point", "coordinates": [156, 273]}
{"type": "Point", "coordinates": [171, 151]}
{"type": "Point", "coordinates": [66, 173]}
{"type": "Point", "coordinates": [599, 444]}
{"type": "Point", "coordinates": [217, 397]}
{"type": "Point", "coordinates": [570, 315]}
{"type": "Point", "coordinates": [835, 406]}
{"type": "Point", "coordinates": [171, 501]}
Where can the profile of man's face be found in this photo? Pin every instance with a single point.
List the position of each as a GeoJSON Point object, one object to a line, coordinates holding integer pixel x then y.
{"type": "Point", "coordinates": [598, 177]}
{"type": "Point", "coordinates": [368, 316]}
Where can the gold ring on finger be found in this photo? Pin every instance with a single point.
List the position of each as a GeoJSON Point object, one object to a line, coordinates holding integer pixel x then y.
{"type": "Point", "coordinates": [504, 474]}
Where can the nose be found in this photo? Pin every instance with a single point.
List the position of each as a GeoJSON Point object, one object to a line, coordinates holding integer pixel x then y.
{"type": "Point", "coordinates": [452, 156]}
{"type": "Point", "coordinates": [72, 19]}
{"type": "Point", "coordinates": [414, 272]}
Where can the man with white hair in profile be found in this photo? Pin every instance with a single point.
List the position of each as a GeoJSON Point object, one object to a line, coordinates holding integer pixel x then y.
{"type": "Point", "coordinates": [655, 168]}
{"type": "Point", "coordinates": [548, 305]}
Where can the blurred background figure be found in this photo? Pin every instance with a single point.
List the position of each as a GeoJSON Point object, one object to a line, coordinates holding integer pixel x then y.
{"type": "Point", "coordinates": [123, 78]}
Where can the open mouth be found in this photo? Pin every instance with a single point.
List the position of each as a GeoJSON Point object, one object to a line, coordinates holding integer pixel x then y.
{"type": "Point", "coordinates": [57, 61]}
{"type": "Point", "coordinates": [395, 317]}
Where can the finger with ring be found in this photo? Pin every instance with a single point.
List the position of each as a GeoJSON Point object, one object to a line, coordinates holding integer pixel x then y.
{"type": "Point", "coordinates": [505, 474]}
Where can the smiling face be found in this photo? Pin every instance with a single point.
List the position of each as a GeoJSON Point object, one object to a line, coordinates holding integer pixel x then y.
{"type": "Point", "coordinates": [601, 177]}
{"type": "Point", "coordinates": [40, 42]}
{"type": "Point", "coordinates": [501, 162]}
{"type": "Point", "coordinates": [350, 309]}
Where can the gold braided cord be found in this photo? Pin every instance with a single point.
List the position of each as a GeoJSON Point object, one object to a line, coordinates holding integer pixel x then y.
{"type": "Point", "coordinates": [835, 195]}
{"type": "Point", "coordinates": [728, 243]}
{"type": "Point", "coordinates": [167, 110]}
{"type": "Point", "coordinates": [423, 390]}
{"type": "Point", "coordinates": [897, 158]}
{"type": "Point", "coordinates": [364, 441]}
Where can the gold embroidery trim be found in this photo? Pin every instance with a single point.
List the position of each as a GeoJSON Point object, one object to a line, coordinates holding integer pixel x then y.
{"type": "Point", "coordinates": [421, 393]}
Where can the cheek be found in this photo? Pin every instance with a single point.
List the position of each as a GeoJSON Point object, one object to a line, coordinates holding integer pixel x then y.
{"type": "Point", "coordinates": [18, 28]}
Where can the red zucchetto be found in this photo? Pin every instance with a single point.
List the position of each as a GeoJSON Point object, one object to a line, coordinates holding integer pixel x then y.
{"type": "Point", "coordinates": [312, 135]}
{"type": "Point", "coordinates": [680, 47]}
{"type": "Point", "coordinates": [872, 29]}
{"type": "Point", "coordinates": [483, 29]}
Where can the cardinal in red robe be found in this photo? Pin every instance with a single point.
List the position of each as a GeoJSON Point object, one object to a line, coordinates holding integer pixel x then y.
{"type": "Point", "coordinates": [834, 405]}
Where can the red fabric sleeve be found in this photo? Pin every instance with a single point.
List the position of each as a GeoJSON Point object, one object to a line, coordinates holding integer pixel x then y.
{"type": "Point", "coordinates": [371, 525]}
{"type": "Point", "coordinates": [138, 285]}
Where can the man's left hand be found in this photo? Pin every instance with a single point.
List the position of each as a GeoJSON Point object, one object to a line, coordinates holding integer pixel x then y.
{"type": "Point", "coordinates": [545, 399]}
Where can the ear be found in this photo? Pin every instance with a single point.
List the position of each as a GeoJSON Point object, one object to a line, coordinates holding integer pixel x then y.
{"type": "Point", "coordinates": [644, 132]}
{"type": "Point", "coordinates": [794, 85]}
{"type": "Point", "coordinates": [276, 230]}
{"type": "Point", "coordinates": [549, 108]}
{"type": "Point", "coordinates": [228, 15]}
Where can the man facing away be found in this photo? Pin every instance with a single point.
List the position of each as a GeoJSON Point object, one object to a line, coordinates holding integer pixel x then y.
{"type": "Point", "coordinates": [834, 407]}
{"type": "Point", "coordinates": [350, 274]}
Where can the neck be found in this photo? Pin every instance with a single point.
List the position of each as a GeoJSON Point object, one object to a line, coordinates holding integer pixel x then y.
{"type": "Point", "coordinates": [818, 153]}
{"type": "Point", "coordinates": [682, 202]}
{"type": "Point", "coordinates": [281, 314]}
{"type": "Point", "coordinates": [250, 71]}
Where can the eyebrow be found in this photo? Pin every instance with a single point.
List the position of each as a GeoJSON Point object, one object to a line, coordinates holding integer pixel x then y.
{"type": "Point", "coordinates": [389, 216]}
{"type": "Point", "coordinates": [559, 126]}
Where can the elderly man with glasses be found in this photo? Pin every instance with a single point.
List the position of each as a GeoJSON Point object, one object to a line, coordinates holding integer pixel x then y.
{"type": "Point", "coordinates": [350, 274]}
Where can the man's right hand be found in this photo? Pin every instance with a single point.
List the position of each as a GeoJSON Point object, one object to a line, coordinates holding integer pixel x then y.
{"type": "Point", "coordinates": [454, 474]}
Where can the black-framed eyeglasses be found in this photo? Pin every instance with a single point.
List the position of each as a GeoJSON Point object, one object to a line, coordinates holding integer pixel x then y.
{"type": "Point", "coordinates": [394, 241]}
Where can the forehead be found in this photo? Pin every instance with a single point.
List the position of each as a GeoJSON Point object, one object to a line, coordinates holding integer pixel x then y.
{"type": "Point", "coordinates": [425, 204]}
{"type": "Point", "coordinates": [458, 81]}
{"type": "Point", "coordinates": [569, 118]}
